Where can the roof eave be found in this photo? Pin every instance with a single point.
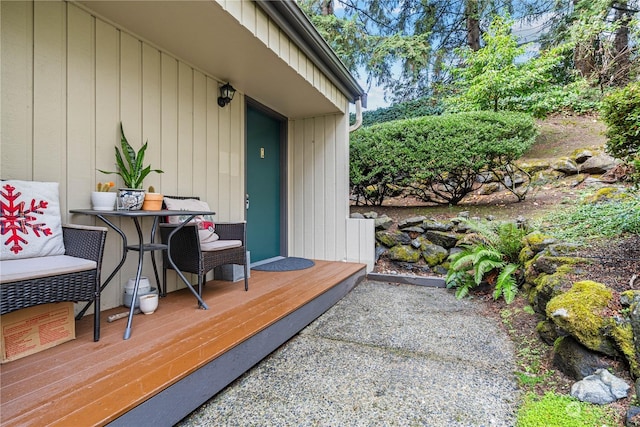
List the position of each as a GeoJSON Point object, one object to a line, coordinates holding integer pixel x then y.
{"type": "Point", "coordinates": [290, 18]}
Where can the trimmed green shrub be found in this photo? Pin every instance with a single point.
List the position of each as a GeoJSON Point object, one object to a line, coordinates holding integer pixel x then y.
{"type": "Point", "coordinates": [437, 158]}
{"type": "Point", "coordinates": [621, 113]}
{"type": "Point", "coordinates": [403, 110]}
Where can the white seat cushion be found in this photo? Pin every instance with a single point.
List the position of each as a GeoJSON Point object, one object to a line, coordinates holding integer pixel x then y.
{"type": "Point", "coordinates": [33, 268]}
{"type": "Point", "coordinates": [218, 245]}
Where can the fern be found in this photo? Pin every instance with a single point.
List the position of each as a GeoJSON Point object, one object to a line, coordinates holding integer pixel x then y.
{"type": "Point", "coordinates": [506, 285]}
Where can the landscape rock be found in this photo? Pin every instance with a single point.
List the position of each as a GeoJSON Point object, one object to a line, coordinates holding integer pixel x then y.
{"type": "Point", "coordinates": [383, 222]}
{"type": "Point", "coordinates": [392, 238]}
{"type": "Point", "coordinates": [434, 254]}
{"type": "Point", "coordinates": [565, 165]}
{"type": "Point", "coordinates": [582, 154]}
{"type": "Point", "coordinates": [404, 253]}
{"type": "Point", "coordinates": [632, 418]}
{"type": "Point", "coordinates": [547, 332]}
{"type": "Point", "coordinates": [538, 241]}
{"type": "Point", "coordinates": [573, 180]}
{"type": "Point", "coordinates": [600, 388]}
{"type": "Point", "coordinates": [548, 286]}
{"type": "Point", "coordinates": [410, 222]}
{"type": "Point", "coordinates": [444, 239]}
{"type": "Point", "coordinates": [575, 360]}
{"type": "Point", "coordinates": [578, 312]}
{"type": "Point", "coordinates": [489, 188]}
{"type": "Point", "coordinates": [430, 224]}
{"type": "Point", "coordinates": [598, 164]}
{"type": "Point", "coordinates": [535, 165]}
{"type": "Point", "coordinates": [545, 177]}
{"type": "Point", "coordinates": [356, 215]}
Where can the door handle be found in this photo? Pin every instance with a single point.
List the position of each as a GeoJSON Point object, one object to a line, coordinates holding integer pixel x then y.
{"type": "Point", "coordinates": [246, 201]}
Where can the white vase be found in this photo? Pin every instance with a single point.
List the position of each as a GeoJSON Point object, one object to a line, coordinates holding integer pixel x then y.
{"type": "Point", "coordinates": [103, 200]}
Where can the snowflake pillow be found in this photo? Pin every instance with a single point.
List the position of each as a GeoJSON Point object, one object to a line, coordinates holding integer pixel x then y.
{"type": "Point", "coordinates": [206, 227]}
{"type": "Point", "coordinates": [30, 220]}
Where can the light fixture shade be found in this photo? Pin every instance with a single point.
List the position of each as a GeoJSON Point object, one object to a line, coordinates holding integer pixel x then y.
{"type": "Point", "coordinates": [226, 94]}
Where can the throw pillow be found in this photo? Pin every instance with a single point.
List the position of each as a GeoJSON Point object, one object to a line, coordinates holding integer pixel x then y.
{"type": "Point", "coordinates": [30, 222]}
{"type": "Point", "coordinates": [206, 226]}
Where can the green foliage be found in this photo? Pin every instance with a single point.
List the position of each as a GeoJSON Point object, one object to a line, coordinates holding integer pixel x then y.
{"type": "Point", "coordinates": [130, 164]}
{"type": "Point", "coordinates": [576, 97]}
{"type": "Point", "coordinates": [494, 259]}
{"type": "Point", "coordinates": [557, 410]}
{"type": "Point", "coordinates": [587, 221]}
{"type": "Point", "coordinates": [404, 110]}
{"type": "Point", "coordinates": [471, 266]}
{"type": "Point", "coordinates": [489, 75]}
{"type": "Point", "coordinates": [621, 113]}
{"type": "Point", "coordinates": [437, 158]}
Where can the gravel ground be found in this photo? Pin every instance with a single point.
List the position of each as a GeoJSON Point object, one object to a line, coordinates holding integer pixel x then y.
{"type": "Point", "coordinates": [387, 354]}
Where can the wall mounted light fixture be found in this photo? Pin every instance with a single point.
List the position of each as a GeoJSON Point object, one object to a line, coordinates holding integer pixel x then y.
{"type": "Point", "coordinates": [226, 94]}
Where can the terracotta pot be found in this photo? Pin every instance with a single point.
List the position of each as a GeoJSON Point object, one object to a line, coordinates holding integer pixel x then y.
{"type": "Point", "coordinates": [152, 202]}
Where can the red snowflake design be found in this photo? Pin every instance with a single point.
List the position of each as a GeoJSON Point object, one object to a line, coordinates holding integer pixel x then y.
{"type": "Point", "coordinates": [16, 219]}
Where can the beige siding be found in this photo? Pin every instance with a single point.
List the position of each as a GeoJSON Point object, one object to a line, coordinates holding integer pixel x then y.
{"type": "Point", "coordinates": [319, 225]}
{"type": "Point", "coordinates": [68, 79]}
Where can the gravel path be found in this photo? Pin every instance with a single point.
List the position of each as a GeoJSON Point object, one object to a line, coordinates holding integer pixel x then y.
{"type": "Point", "coordinates": [385, 355]}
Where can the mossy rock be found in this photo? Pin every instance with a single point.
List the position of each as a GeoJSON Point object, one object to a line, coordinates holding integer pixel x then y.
{"type": "Point", "coordinates": [404, 253]}
{"type": "Point", "coordinates": [534, 165]}
{"type": "Point", "coordinates": [550, 264]}
{"type": "Point", "coordinates": [606, 194]}
{"type": "Point", "coordinates": [565, 165]}
{"type": "Point", "coordinates": [548, 286]}
{"type": "Point", "coordinates": [579, 313]}
{"type": "Point", "coordinates": [392, 238]}
{"type": "Point", "coordinates": [547, 332]}
{"type": "Point", "coordinates": [580, 155]}
{"type": "Point", "coordinates": [526, 254]}
{"type": "Point", "coordinates": [434, 254]}
{"type": "Point", "coordinates": [538, 241]}
{"type": "Point", "coordinates": [621, 332]}
{"type": "Point", "coordinates": [445, 239]}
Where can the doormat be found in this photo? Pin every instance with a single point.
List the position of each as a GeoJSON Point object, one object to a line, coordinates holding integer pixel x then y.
{"type": "Point", "coordinates": [286, 264]}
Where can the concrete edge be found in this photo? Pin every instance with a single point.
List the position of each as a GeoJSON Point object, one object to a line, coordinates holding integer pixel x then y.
{"type": "Point", "coordinates": [429, 281]}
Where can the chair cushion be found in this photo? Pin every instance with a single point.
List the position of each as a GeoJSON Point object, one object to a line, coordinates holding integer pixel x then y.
{"type": "Point", "coordinates": [34, 268]}
{"type": "Point", "coordinates": [206, 226]}
{"type": "Point", "coordinates": [31, 225]}
{"type": "Point", "coordinates": [220, 245]}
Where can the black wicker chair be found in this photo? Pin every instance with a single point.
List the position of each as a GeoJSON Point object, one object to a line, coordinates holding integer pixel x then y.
{"type": "Point", "coordinates": [188, 257]}
{"type": "Point", "coordinates": [81, 242]}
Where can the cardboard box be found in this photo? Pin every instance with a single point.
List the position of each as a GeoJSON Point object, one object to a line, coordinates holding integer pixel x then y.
{"type": "Point", "coordinates": [232, 272]}
{"type": "Point", "coordinates": [34, 329]}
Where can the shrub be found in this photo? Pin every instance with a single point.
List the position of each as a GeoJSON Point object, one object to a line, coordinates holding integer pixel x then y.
{"type": "Point", "coordinates": [403, 110]}
{"type": "Point", "coordinates": [493, 259]}
{"type": "Point", "coordinates": [621, 113]}
{"type": "Point", "coordinates": [577, 97]}
{"type": "Point", "coordinates": [437, 158]}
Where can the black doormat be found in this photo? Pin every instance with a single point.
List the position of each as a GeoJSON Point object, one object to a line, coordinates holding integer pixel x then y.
{"type": "Point", "coordinates": [286, 264]}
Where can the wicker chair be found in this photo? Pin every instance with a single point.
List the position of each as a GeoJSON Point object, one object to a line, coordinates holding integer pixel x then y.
{"type": "Point", "coordinates": [81, 242]}
{"type": "Point", "coordinates": [190, 258]}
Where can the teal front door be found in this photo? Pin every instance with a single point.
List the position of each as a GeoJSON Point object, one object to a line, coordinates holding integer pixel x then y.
{"type": "Point", "coordinates": [264, 185]}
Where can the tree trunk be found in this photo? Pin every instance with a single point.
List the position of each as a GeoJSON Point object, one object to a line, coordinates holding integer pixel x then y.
{"type": "Point", "coordinates": [621, 46]}
{"type": "Point", "coordinates": [472, 13]}
{"type": "Point", "coordinates": [327, 7]}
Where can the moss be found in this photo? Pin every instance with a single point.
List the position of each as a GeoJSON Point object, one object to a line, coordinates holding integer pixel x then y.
{"type": "Point", "coordinates": [538, 241]}
{"type": "Point", "coordinates": [404, 253]}
{"type": "Point", "coordinates": [606, 193]}
{"type": "Point", "coordinates": [622, 334]}
{"type": "Point", "coordinates": [578, 312]}
{"type": "Point", "coordinates": [525, 254]}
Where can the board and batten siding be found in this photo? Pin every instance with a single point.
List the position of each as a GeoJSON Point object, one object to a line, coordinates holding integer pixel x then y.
{"type": "Point", "coordinates": [69, 78]}
{"type": "Point", "coordinates": [318, 187]}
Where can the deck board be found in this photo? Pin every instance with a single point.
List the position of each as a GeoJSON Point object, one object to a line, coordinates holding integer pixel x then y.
{"type": "Point", "coordinates": [86, 383]}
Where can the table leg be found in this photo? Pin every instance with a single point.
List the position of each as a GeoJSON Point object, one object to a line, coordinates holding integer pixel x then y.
{"type": "Point", "coordinates": [127, 330]}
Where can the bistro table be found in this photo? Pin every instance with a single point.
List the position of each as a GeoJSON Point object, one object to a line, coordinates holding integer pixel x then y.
{"type": "Point", "coordinates": [141, 248]}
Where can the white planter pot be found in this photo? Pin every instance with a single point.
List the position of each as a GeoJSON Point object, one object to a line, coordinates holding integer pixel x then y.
{"type": "Point", "coordinates": [103, 200]}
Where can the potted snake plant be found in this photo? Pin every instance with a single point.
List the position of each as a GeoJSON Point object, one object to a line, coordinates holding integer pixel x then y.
{"type": "Point", "coordinates": [131, 169]}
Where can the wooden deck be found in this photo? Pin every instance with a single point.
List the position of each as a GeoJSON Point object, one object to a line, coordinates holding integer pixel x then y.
{"type": "Point", "coordinates": [176, 359]}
